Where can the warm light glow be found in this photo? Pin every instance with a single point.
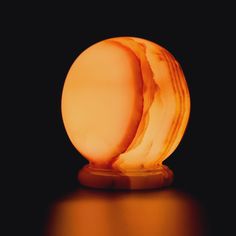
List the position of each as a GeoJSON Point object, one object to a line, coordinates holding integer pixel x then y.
{"type": "Point", "coordinates": [125, 104]}
{"type": "Point", "coordinates": [151, 213]}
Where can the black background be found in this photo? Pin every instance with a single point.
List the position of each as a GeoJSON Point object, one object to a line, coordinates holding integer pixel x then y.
{"type": "Point", "coordinates": [42, 42]}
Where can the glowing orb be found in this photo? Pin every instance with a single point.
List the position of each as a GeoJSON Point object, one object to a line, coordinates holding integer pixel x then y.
{"type": "Point", "coordinates": [125, 107]}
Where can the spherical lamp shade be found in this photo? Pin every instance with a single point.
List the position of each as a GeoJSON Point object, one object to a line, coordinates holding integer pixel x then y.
{"type": "Point", "coordinates": [125, 107]}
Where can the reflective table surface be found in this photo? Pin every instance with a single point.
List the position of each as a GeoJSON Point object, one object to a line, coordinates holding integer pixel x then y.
{"type": "Point", "coordinates": [166, 212]}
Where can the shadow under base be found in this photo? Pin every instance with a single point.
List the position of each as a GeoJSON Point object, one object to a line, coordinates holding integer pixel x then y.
{"type": "Point", "coordinates": [112, 179]}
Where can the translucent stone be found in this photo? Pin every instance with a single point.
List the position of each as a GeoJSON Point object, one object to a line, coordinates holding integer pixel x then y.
{"type": "Point", "coordinates": [125, 107]}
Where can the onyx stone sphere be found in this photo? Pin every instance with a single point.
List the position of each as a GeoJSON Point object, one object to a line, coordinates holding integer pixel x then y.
{"type": "Point", "coordinates": [125, 104]}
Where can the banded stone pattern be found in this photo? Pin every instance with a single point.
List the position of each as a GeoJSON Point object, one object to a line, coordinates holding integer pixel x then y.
{"type": "Point", "coordinates": [151, 97]}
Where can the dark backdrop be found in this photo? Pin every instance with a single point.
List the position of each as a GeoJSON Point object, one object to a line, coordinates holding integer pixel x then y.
{"type": "Point", "coordinates": [43, 41]}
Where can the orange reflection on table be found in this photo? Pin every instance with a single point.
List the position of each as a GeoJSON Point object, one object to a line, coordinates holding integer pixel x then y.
{"type": "Point", "coordinates": [92, 212]}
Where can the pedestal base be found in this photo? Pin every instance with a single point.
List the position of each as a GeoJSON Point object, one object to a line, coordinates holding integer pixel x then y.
{"type": "Point", "coordinates": [111, 179]}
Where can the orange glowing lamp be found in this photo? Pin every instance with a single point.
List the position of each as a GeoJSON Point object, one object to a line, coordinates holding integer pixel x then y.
{"type": "Point", "coordinates": [125, 107]}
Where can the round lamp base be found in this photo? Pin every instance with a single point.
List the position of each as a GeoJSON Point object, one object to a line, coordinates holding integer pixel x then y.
{"type": "Point", "coordinates": [112, 179]}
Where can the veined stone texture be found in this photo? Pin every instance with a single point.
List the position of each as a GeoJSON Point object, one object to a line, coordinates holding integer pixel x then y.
{"type": "Point", "coordinates": [125, 104]}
